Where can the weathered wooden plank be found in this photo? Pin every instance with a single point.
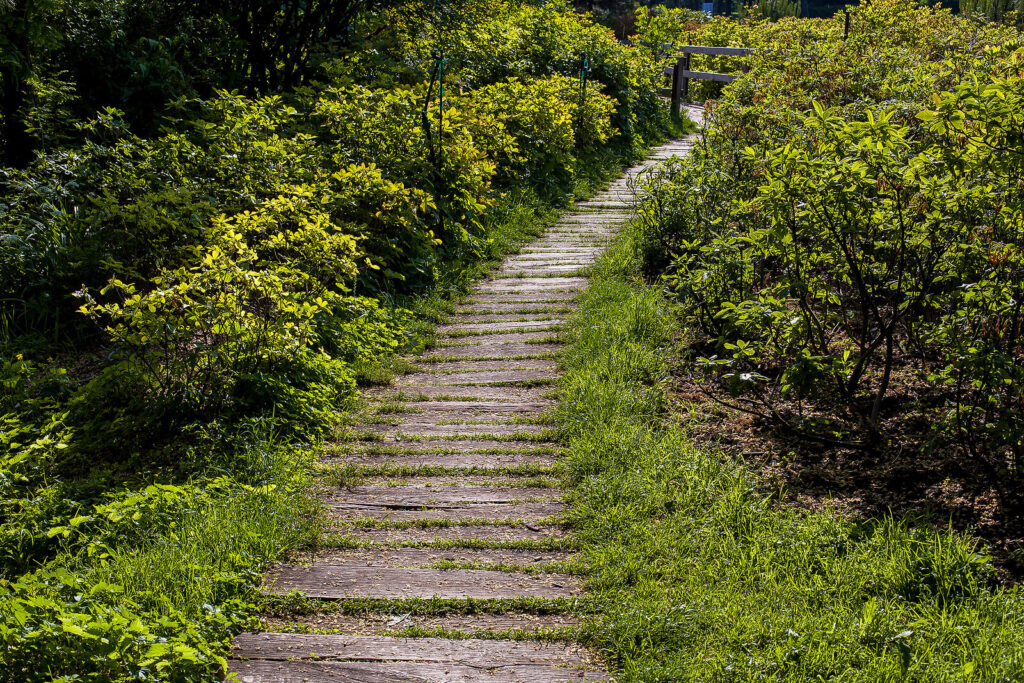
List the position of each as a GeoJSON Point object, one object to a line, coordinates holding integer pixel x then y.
{"type": "Point", "coordinates": [492, 425]}
{"type": "Point", "coordinates": [523, 297]}
{"type": "Point", "coordinates": [466, 512]}
{"type": "Point", "coordinates": [422, 558]}
{"type": "Point", "coordinates": [454, 330]}
{"type": "Point", "coordinates": [446, 445]}
{"type": "Point", "coordinates": [384, 624]}
{"type": "Point", "coordinates": [426, 430]}
{"type": "Point", "coordinates": [502, 308]}
{"type": "Point", "coordinates": [707, 76]}
{"type": "Point", "coordinates": [488, 533]}
{"type": "Point", "coordinates": [713, 50]}
{"type": "Point", "coordinates": [490, 365]}
{"type": "Point", "coordinates": [417, 497]}
{"type": "Point", "coordinates": [259, 671]}
{"type": "Point", "coordinates": [490, 349]}
{"type": "Point", "coordinates": [459, 378]}
{"type": "Point", "coordinates": [483, 316]}
{"type": "Point", "coordinates": [589, 253]}
{"type": "Point", "coordinates": [480, 460]}
{"type": "Point", "coordinates": [340, 582]}
{"type": "Point", "coordinates": [494, 286]}
{"type": "Point", "coordinates": [473, 408]}
{"type": "Point", "coordinates": [547, 269]}
{"type": "Point", "coordinates": [295, 646]}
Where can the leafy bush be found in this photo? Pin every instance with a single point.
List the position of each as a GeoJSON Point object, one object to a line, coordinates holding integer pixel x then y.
{"type": "Point", "coordinates": [843, 230]}
{"type": "Point", "coordinates": [1008, 11]}
{"type": "Point", "coordinates": [697, 575]}
{"type": "Point", "coordinates": [550, 124]}
{"type": "Point", "coordinates": [527, 41]}
{"type": "Point", "coordinates": [60, 621]}
{"type": "Point", "coordinates": [658, 27]}
{"type": "Point", "coordinates": [240, 259]}
{"type": "Point", "coordinates": [234, 333]}
{"type": "Point", "coordinates": [125, 207]}
{"type": "Point", "coordinates": [454, 173]}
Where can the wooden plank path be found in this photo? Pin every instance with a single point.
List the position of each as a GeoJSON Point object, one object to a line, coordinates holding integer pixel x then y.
{"type": "Point", "coordinates": [473, 521]}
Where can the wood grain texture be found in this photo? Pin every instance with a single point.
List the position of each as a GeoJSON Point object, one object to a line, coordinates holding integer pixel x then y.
{"type": "Point", "coordinates": [261, 671]}
{"type": "Point", "coordinates": [338, 582]}
{"type": "Point", "coordinates": [291, 646]}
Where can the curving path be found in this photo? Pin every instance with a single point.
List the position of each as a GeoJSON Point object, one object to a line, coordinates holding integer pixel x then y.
{"type": "Point", "coordinates": [452, 528]}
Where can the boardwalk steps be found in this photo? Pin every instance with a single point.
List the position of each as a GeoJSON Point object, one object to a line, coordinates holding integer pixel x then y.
{"type": "Point", "coordinates": [459, 498]}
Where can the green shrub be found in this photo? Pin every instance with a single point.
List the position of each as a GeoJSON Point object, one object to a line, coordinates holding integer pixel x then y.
{"type": "Point", "coordinates": [62, 623]}
{"type": "Point", "coordinates": [549, 125]}
{"type": "Point", "coordinates": [122, 206]}
{"type": "Point", "coordinates": [697, 575]}
{"type": "Point", "coordinates": [235, 333]}
{"type": "Point", "coordinates": [526, 41]}
{"type": "Point", "coordinates": [240, 262]}
{"type": "Point", "coordinates": [844, 229]}
{"type": "Point", "coordinates": [386, 129]}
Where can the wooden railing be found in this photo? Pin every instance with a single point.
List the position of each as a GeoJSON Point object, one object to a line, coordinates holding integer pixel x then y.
{"type": "Point", "coordinates": [681, 73]}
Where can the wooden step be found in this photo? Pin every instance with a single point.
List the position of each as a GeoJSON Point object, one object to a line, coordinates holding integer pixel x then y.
{"type": "Point", "coordinates": [304, 657]}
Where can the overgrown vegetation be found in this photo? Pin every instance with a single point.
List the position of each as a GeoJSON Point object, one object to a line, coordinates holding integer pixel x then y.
{"type": "Point", "coordinates": [698, 576]}
{"type": "Point", "coordinates": [1004, 11]}
{"type": "Point", "coordinates": [191, 298]}
{"type": "Point", "coordinates": [846, 247]}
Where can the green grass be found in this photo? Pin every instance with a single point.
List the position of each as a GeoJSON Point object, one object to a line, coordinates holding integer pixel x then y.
{"type": "Point", "coordinates": [234, 537]}
{"type": "Point", "coordinates": [155, 586]}
{"type": "Point", "coordinates": [382, 371]}
{"type": "Point", "coordinates": [698, 576]}
{"type": "Point", "coordinates": [533, 633]}
{"type": "Point", "coordinates": [339, 540]}
{"type": "Point", "coordinates": [168, 571]}
{"type": "Point", "coordinates": [343, 473]}
{"type": "Point", "coordinates": [295, 604]}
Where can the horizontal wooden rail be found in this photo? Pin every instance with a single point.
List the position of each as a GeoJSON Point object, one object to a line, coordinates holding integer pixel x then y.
{"type": "Point", "coordinates": [709, 76]}
{"type": "Point", "coordinates": [707, 50]}
{"type": "Point", "coordinates": [681, 73]}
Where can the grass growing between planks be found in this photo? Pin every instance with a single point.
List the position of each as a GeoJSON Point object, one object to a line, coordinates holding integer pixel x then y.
{"type": "Point", "coordinates": [697, 576]}
{"type": "Point", "coordinates": [152, 573]}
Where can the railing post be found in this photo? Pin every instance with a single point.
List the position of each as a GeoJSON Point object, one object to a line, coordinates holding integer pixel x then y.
{"type": "Point", "coordinates": [677, 87]}
{"type": "Point", "coordinates": [685, 61]}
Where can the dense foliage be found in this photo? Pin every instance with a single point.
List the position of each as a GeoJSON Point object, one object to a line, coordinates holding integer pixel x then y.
{"type": "Point", "coordinates": [1006, 11]}
{"type": "Point", "coordinates": [190, 298]}
{"type": "Point", "coordinates": [848, 239]}
{"type": "Point", "coordinates": [697, 575]}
